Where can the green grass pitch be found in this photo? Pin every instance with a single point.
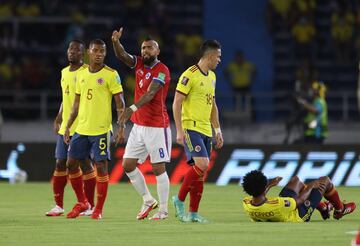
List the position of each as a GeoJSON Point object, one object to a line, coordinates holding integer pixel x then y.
{"type": "Point", "coordinates": [22, 221]}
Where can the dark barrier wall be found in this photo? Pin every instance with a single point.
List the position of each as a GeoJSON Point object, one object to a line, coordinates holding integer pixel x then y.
{"type": "Point", "coordinates": [228, 165]}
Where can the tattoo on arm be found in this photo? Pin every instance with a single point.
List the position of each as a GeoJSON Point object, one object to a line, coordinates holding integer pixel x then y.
{"type": "Point", "coordinates": [154, 87]}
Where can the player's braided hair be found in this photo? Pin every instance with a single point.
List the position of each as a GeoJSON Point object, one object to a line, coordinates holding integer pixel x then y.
{"type": "Point", "coordinates": [254, 183]}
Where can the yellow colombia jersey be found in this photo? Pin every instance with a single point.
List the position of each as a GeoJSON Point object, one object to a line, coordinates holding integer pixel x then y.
{"type": "Point", "coordinates": [96, 91]}
{"type": "Point", "coordinates": [278, 209]}
{"type": "Point", "coordinates": [199, 89]}
{"type": "Point", "coordinates": [68, 81]}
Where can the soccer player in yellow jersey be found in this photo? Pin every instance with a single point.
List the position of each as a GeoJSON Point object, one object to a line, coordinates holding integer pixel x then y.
{"type": "Point", "coordinates": [295, 203]}
{"type": "Point", "coordinates": [75, 53]}
{"type": "Point", "coordinates": [95, 88]}
{"type": "Point", "coordinates": [195, 113]}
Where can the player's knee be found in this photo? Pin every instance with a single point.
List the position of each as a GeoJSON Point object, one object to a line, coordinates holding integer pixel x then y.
{"type": "Point", "coordinates": [60, 165]}
{"type": "Point", "coordinates": [101, 168]}
{"type": "Point", "coordinates": [158, 169]}
{"type": "Point", "coordinates": [295, 178]}
{"type": "Point", "coordinates": [202, 164]}
{"type": "Point", "coordinates": [128, 166]}
{"type": "Point", "coordinates": [72, 164]}
{"type": "Point", "coordinates": [86, 167]}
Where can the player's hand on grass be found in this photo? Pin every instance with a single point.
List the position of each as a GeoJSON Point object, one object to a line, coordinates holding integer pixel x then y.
{"type": "Point", "coordinates": [67, 136]}
{"type": "Point", "coordinates": [180, 136]}
{"type": "Point", "coordinates": [219, 140]}
{"type": "Point", "coordinates": [116, 35]}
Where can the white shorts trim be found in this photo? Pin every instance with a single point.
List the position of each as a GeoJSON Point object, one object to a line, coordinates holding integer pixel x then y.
{"type": "Point", "coordinates": [146, 140]}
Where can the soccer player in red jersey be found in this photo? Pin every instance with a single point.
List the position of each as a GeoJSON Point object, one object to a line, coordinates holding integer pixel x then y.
{"type": "Point", "coordinates": [75, 54]}
{"type": "Point", "coordinates": [150, 134]}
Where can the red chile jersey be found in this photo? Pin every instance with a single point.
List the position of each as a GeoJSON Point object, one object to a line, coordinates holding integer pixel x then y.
{"type": "Point", "coordinates": [153, 113]}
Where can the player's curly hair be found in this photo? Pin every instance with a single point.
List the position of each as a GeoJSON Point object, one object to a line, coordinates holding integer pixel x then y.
{"type": "Point", "coordinates": [254, 183]}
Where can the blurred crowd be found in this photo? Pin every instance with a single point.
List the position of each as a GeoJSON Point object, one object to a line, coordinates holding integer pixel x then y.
{"type": "Point", "coordinates": [34, 35]}
{"type": "Point", "coordinates": [339, 20]}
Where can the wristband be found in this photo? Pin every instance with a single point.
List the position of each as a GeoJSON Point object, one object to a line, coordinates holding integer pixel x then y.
{"type": "Point", "coordinates": [133, 107]}
{"type": "Point", "coordinates": [217, 130]}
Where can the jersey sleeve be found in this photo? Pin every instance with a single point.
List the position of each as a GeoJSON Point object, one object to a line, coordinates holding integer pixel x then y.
{"type": "Point", "coordinates": [287, 203]}
{"type": "Point", "coordinates": [137, 60]}
{"type": "Point", "coordinates": [161, 76]}
{"type": "Point", "coordinates": [185, 83]}
{"type": "Point", "coordinates": [115, 83]}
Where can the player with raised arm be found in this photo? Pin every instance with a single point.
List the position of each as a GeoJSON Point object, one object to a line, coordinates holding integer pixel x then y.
{"type": "Point", "coordinates": [95, 88]}
{"type": "Point", "coordinates": [195, 113]}
{"type": "Point", "coordinates": [75, 54]}
{"type": "Point", "coordinates": [151, 133]}
{"type": "Point", "coordinates": [296, 201]}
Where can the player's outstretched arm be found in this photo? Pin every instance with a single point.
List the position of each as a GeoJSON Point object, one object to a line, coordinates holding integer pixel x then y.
{"type": "Point", "coordinates": [177, 104]}
{"type": "Point", "coordinates": [214, 118]}
{"type": "Point", "coordinates": [73, 115]}
{"type": "Point", "coordinates": [119, 50]}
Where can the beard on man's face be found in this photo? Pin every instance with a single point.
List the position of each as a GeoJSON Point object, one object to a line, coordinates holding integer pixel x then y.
{"type": "Point", "coordinates": [148, 60]}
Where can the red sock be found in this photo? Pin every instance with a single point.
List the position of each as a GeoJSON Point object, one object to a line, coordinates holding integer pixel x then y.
{"type": "Point", "coordinates": [89, 187]}
{"type": "Point", "coordinates": [195, 194]}
{"type": "Point", "coordinates": [321, 206]}
{"type": "Point", "coordinates": [59, 181]}
{"type": "Point", "coordinates": [358, 238]}
{"type": "Point", "coordinates": [193, 174]}
{"type": "Point", "coordinates": [77, 185]}
{"type": "Point", "coordinates": [101, 188]}
{"type": "Point", "coordinates": [333, 197]}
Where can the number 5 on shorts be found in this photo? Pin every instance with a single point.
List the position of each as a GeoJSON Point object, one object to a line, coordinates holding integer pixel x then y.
{"type": "Point", "coordinates": [102, 143]}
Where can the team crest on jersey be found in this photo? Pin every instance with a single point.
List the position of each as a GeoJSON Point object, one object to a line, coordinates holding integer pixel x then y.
{"type": "Point", "coordinates": [100, 81]}
{"type": "Point", "coordinates": [147, 76]}
{"type": "Point", "coordinates": [287, 203]}
{"type": "Point", "coordinates": [197, 148]}
{"type": "Point", "coordinates": [185, 80]}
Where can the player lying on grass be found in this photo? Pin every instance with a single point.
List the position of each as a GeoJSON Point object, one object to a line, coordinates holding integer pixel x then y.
{"type": "Point", "coordinates": [296, 201]}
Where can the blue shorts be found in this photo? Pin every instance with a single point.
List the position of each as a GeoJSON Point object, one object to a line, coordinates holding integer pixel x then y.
{"type": "Point", "coordinates": [309, 206]}
{"type": "Point", "coordinates": [61, 150]}
{"type": "Point", "coordinates": [197, 145]}
{"type": "Point", "coordinates": [81, 146]}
